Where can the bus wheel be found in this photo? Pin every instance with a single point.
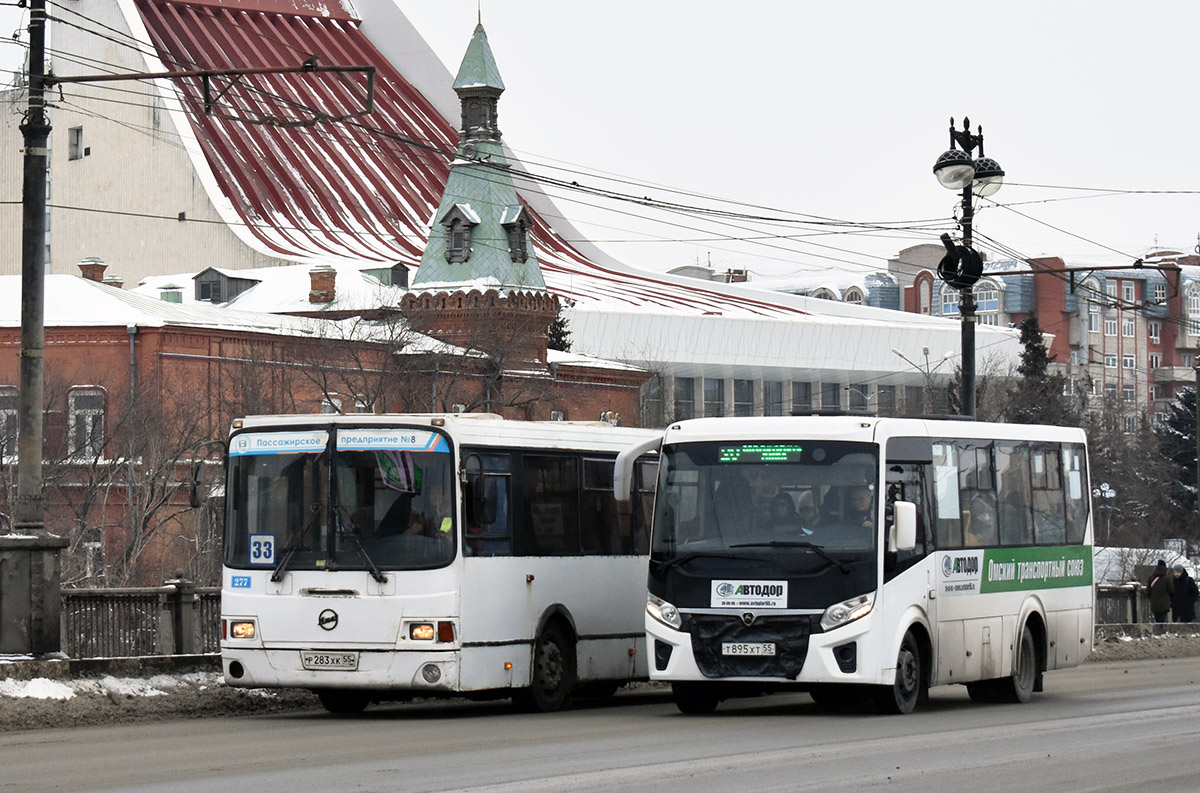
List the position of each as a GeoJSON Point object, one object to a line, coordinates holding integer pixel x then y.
{"type": "Point", "coordinates": [1019, 687]}
{"type": "Point", "coordinates": [553, 673]}
{"type": "Point", "coordinates": [694, 698]}
{"type": "Point", "coordinates": [902, 695]}
{"type": "Point", "coordinates": [343, 701]}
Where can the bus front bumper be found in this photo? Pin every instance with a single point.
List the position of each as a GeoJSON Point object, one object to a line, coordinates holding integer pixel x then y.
{"type": "Point", "coordinates": [417, 671]}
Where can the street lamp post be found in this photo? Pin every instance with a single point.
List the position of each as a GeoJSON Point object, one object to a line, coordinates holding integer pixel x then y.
{"type": "Point", "coordinates": [957, 169]}
{"type": "Point", "coordinates": [928, 371]}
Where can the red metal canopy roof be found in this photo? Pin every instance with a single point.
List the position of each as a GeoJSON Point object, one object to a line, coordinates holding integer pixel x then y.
{"type": "Point", "coordinates": [365, 188]}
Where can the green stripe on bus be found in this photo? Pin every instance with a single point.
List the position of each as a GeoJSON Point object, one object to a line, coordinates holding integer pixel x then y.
{"type": "Point", "coordinates": [1013, 569]}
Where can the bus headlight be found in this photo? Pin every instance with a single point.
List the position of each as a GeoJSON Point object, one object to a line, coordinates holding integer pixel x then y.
{"type": "Point", "coordinates": [241, 630]}
{"type": "Point", "coordinates": [847, 611]}
{"type": "Point", "coordinates": [664, 612]}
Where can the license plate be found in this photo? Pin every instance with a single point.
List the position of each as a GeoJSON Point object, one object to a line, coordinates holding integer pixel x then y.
{"type": "Point", "coordinates": [322, 661]}
{"type": "Point", "coordinates": [747, 648]}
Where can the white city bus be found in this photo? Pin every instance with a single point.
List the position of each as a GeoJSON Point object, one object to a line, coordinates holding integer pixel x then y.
{"type": "Point", "coordinates": [858, 557]}
{"type": "Point", "coordinates": [384, 557]}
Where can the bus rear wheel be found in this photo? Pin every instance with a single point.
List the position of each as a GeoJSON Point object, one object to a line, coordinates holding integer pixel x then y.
{"type": "Point", "coordinates": [901, 697]}
{"type": "Point", "coordinates": [1020, 685]}
{"type": "Point", "coordinates": [553, 673]}
{"type": "Point", "coordinates": [343, 701]}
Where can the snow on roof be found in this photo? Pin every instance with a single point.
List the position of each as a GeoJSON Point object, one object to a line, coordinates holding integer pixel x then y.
{"type": "Point", "coordinates": [284, 289]}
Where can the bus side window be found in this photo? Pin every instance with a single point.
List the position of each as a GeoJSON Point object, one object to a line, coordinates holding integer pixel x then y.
{"type": "Point", "coordinates": [1074, 477]}
{"type": "Point", "coordinates": [947, 514]}
{"type": "Point", "coordinates": [550, 505]}
{"type": "Point", "coordinates": [486, 500]}
{"type": "Point", "coordinates": [906, 482]}
{"type": "Point", "coordinates": [1049, 520]}
{"type": "Point", "coordinates": [1014, 495]}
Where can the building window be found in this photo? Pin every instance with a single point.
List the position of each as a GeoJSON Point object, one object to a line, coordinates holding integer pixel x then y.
{"type": "Point", "coordinates": [801, 398]}
{"type": "Point", "coordinates": [75, 143]}
{"type": "Point", "coordinates": [743, 397]}
{"type": "Point", "coordinates": [831, 396]}
{"type": "Point", "coordinates": [652, 402]}
{"type": "Point", "coordinates": [1127, 327]}
{"type": "Point", "coordinates": [1127, 392]}
{"type": "Point", "coordinates": [1093, 322]}
{"type": "Point", "coordinates": [1110, 327]}
{"type": "Point", "coordinates": [1127, 292]}
{"type": "Point", "coordinates": [1186, 360]}
{"type": "Point", "coordinates": [854, 296]}
{"type": "Point", "coordinates": [885, 400]}
{"type": "Point", "coordinates": [714, 396]}
{"type": "Point", "coordinates": [8, 422]}
{"type": "Point", "coordinates": [685, 398]}
{"type": "Point", "coordinates": [209, 291]}
{"type": "Point", "coordinates": [1068, 387]}
{"type": "Point", "coordinates": [1155, 360]}
{"type": "Point", "coordinates": [85, 421]}
{"type": "Point", "coordinates": [1110, 289]}
{"type": "Point", "coordinates": [1155, 331]}
{"type": "Point", "coordinates": [1193, 310]}
{"type": "Point", "coordinates": [1160, 293]}
{"type": "Point", "coordinates": [458, 241]}
{"type": "Point", "coordinates": [515, 229]}
{"type": "Point", "coordinates": [1110, 361]}
{"type": "Point", "coordinates": [949, 301]}
{"type": "Point", "coordinates": [331, 404]}
{"type": "Point", "coordinates": [772, 398]}
{"type": "Point", "coordinates": [858, 395]}
{"type": "Point", "coordinates": [1130, 423]}
{"type": "Point", "coordinates": [987, 297]}
{"type": "Point", "coordinates": [924, 296]}
{"type": "Point", "coordinates": [1127, 362]}
{"type": "Point", "coordinates": [1158, 392]}
{"type": "Point", "coordinates": [1110, 390]}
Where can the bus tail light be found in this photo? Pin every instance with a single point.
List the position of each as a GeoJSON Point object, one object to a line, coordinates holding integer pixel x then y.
{"type": "Point", "coordinates": [445, 631]}
{"type": "Point", "coordinates": [421, 631]}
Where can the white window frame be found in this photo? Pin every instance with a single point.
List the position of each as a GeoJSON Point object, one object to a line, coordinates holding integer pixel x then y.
{"type": "Point", "coordinates": [1155, 331]}
{"type": "Point", "coordinates": [1110, 361]}
{"type": "Point", "coordinates": [1127, 327]}
{"type": "Point", "coordinates": [1110, 327]}
{"type": "Point", "coordinates": [91, 417]}
{"type": "Point", "coordinates": [1128, 362]}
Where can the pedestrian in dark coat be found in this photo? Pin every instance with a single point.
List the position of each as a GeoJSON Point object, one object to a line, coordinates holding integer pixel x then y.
{"type": "Point", "coordinates": [1183, 602]}
{"type": "Point", "coordinates": [1160, 588]}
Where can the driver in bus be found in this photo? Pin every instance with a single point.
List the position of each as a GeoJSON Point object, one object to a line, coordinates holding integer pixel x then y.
{"type": "Point", "coordinates": [434, 520]}
{"type": "Point", "coordinates": [860, 512]}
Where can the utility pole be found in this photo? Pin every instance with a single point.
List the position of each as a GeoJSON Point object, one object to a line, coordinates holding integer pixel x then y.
{"type": "Point", "coordinates": [30, 621]}
{"type": "Point", "coordinates": [29, 509]}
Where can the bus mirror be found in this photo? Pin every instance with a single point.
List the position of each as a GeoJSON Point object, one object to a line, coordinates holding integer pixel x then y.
{"type": "Point", "coordinates": [481, 500]}
{"type": "Point", "coordinates": [904, 526]}
{"type": "Point", "coordinates": [624, 467]}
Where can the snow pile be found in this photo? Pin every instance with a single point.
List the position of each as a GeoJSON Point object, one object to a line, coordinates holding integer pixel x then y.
{"type": "Point", "coordinates": [127, 687]}
{"type": "Point", "coordinates": [37, 688]}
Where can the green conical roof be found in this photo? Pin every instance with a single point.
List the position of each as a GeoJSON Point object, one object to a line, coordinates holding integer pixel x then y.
{"type": "Point", "coordinates": [478, 69]}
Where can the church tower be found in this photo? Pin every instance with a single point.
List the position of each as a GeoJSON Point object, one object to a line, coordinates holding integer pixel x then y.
{"type": "Point", "coordinates": [479, 284]}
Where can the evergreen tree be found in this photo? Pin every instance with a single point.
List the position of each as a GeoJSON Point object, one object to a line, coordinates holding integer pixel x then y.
{"type": "Point", "coordinates": [559, 334]}
{"type": "Point", "coordinates": [1038, 397]}
{"type": "Point", "coordinates": [1176, 434]}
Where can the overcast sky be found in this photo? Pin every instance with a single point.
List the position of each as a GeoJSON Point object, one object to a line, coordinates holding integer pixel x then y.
{"type": "Point", "coordinates": [837, 111]}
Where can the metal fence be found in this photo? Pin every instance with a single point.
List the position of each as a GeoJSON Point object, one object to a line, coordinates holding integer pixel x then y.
{"type": "Point", "coordinates": [177, 618]}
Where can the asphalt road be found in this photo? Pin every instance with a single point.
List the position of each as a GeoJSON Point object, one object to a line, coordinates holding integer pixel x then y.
{"type": "Point", "coordinates": [1101, 727]}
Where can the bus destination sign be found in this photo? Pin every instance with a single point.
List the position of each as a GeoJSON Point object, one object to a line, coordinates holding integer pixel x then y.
{"type": "Point", "coordinates": [760, 453]}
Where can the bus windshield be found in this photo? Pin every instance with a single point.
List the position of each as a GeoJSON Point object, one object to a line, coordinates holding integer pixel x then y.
{"type": "Point", "coordinates": [364, 500]}
{"type": "Point", "coordinates": [797, 500]}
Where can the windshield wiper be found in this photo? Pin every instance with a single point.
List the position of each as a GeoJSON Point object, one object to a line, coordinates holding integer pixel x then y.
{"type": "Point", "coordinates": [372, 568]}
{"type": "Point", "coordinates": [281, 568]}
{"type": "Point", "coordinates": [845, 568]}
{"type": "Point", "coordinates": [684, 558]}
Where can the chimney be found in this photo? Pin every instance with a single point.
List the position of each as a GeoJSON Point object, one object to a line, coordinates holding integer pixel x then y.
{"type": "Point", "coordinates": [92, 268]}
{"type": "Point", "coordinates": [323, 277]}
{"type": "Point", "coordinates": [171, 293]}
{"type": "Point", "coordinates": [115, 281]}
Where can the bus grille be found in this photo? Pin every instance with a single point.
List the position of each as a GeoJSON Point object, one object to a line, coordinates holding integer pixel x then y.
{"type": "Point", "coordinates": [709, 631]}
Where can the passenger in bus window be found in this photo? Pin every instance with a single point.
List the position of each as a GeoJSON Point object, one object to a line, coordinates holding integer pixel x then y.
{"type": "Point", "coordinates": [783, 514]}
{"type": "Point", "coordinates": [860, 512]}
